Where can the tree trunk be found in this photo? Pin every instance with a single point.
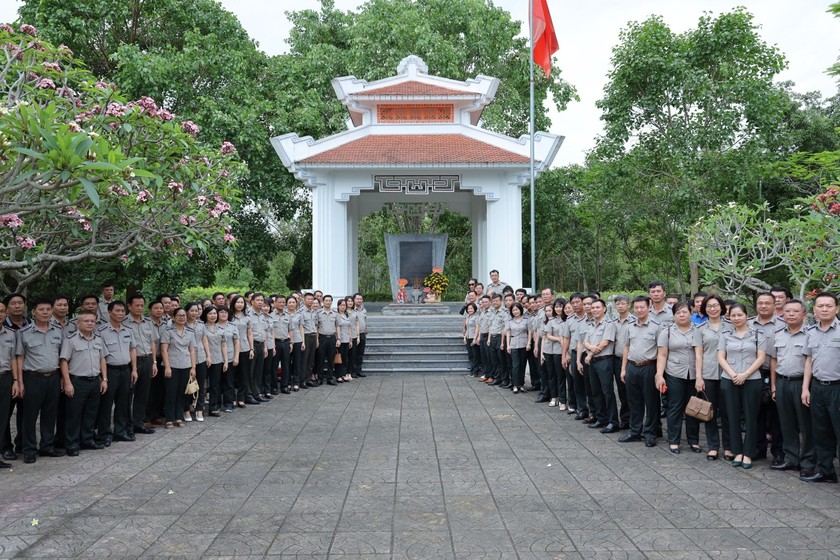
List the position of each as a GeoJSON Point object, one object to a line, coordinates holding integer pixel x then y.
{"type": "Point", "coordinates": [695, 276]}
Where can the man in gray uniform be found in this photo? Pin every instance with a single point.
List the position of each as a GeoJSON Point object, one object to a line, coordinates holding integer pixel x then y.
{"type": "Point", "coordinates": [768, 416]}
{"type": "Point", "coordinates": [121, 357]}
{"type": "Point", "coordinates": [327, 341]}
{"type": "Point", "coordinates": [38, 346]}
{"type": "Point", "coordinates": [10, 382]}
{"type": "Point", "coordinates": [787, 367]}
{"type": "Point", "coordinates": [361, 315]}
{"type": "Point", "coordinates": [146, 337]}
{"type": "Point", "coordinates": [638, 370]}
{"type": "Point", "coordinates": [310, 340]}
{"type": "Point", "coordinates": [600, 346]}
{"type": "Point", "coordinates": [84, 376]}
{"type": "Point", "coordinates": [821, 385]}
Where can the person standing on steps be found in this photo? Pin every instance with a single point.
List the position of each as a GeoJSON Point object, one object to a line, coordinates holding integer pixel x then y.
{"type": "Point", "coordinates": [361, 318]}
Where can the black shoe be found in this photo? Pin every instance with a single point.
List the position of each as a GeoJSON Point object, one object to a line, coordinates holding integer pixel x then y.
{"type": "Point", "coordinates": [806, 473]}
{"type": "Point", "coordinates": [778, 460]}
{"type": "Point", "coordinates": [674, 450]}
{"type": "Point", "coordinates": [275, 392]}
{"type": "Point", "coordinates": [320, 382]}
{"type": "Point", "coordinates": [93, 445]}
{"type": "Point", "coordinates": [696, 449]}
{"type": "Point", "coordinates": [304, 386]}
{"type": "Point", "coordinates": [360, 374]}
{"type": "Point", "coordinates": [506, 385]}
{"type": "Point", "coordinates": [820, 477]}
{"type": "Point", "coordinates": [784, 466]}
{"type": "Point", "coordinates": [72, 452]}
{"type": "Point", "coordinates": [10, 455]}
{"type": "Point", "coordinates": [596, 425]}
{"type": "Point", "coordinates": [581, 415]}
{"type": "Point", "coordinates": [143, 430]}
{"type": "Point", "coordinates": [5, 465]}
{"type": "Point", "coordinates": [125, 437]}
{"type": "Point", "coordinates": [542, 400]}
{"type": "Point", "coordinates": [331, 382]}
{"type": "Point", "coordinates": [50, 453]}
{"type": "Point", "coordinates": [497, 382]}
{"type": "Point", "coordinates": [250, 400]}
{"type": "Point", "coordinates": [650, 442]}
{"type": "Point", "coordinates": [629, 438]}
{"type": "Point", "coordinates": [29, 459]}
{"type": "Point", "coordinates": [624, 426]}
{"type": "Point", "coordinates": [609, 429]}
{"type": "Point", "coordinates": [266, 397]}
{"type": "Point", "coordinates": [215, 413]}
{"type": "Point", "coordinates": [285, 391]}
{"type": "Point", "coordinates": [311, 383]}
{"type": "Point", "coordinates": [760, 456]}
{"type": "Point", "coordinates": [106, 441]}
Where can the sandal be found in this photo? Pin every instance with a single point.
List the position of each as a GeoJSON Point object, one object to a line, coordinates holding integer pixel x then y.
{"type": "Point", "coordinates": [169, 425]}
{"type": "Point", "coordinates": [729, 457]}
{"type": "Point", "coordinates": [562, 407]}
{"type": "Point", "coordinates": [696, 449]}
{"type": "Point", "coordinates": [516, 390]}
{"type": "Point", "coordinates": [712, 456]}
{"type": "Point", "coordinates": [179, 424]}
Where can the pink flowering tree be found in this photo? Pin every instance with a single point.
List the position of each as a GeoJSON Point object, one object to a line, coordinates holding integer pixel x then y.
{"type": "Point", "coordinates": [87, 174]}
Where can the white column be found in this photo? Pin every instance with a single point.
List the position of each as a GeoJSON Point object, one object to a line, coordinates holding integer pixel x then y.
{"type": "Point", "coordinates": [478, 218]}
{"type": "Point", "coordinates": [330, 243]}
{"type": "Point", "coordinates": [504, 237]}
{"type": "Point", "coordinates": [353, 241]}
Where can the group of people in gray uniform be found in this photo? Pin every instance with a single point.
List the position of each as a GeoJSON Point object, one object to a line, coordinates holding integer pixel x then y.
{"type": "Point", "coordinates": [772, 379]}
{"type": "Point", "coordinates": [119, 368]}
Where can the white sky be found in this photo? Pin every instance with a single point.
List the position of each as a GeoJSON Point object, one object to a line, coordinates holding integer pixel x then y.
{"type": "Point", "coordinates": [587, 31]}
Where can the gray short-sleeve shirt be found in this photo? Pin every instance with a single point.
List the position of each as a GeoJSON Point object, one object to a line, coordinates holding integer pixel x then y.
{"type": "Point", "coordinates": [741, 351]}
{"type": "Point", "coordinates": [83, 355]}
{"type": "Point", "coordinates": [681, 359]}
{"type": "Point", "coordinates": [179, 346]}
{"type": "Point", "coordinates": [824, 348]}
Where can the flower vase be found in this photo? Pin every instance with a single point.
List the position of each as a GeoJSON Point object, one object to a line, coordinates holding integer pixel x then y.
{"type": "Point", "coordinates": [431, 297]}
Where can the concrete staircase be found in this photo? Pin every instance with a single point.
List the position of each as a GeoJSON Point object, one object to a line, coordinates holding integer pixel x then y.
{"type": "Point", "coordinates": [415, 345]}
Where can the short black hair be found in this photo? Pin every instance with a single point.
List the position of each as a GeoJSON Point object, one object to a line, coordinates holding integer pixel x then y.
{"type": "Point", "coordinates": [638, 299]}
{"type": "Point", "coordinates": [576, 295]}
{"type": "Point", "coordinates": [494, 270]}
{"type": "Point", "coordinates": [826, 295]}
{"type": "Point", "coordinates": [709, 298]}
{"type": "Point", "coordinates": [787, 292]}
{"type": "Point", "coordinates": [12, 296]}
{"type": "Point", "coordinates": [115, 303]}
{"type": "Point", "coordinates": [41, 301]}
{"type": "Point", "coordinates": [134, 297]}
{"type": "Point", "coordinates": [655, 283]}
{"type": "Point", "coordinates": [89, 296]}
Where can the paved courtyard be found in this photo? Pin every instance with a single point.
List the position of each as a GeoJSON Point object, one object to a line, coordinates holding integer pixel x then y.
{"type": "Point", "coordinates": [406, 467]}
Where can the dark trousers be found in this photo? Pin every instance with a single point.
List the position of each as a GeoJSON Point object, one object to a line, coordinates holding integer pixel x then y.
{"type": "Point", "coordinates": [603, 392]}
{"type": "Point", "coordinates": [297, 363]}
{"type": "Point", "coordinates": [587, 386]}
{"type": "Point", "coordinates": [359, 354]}
{"type": "Point", "coordinates": [795, 420]}
{"type": "Point", "coordinates": [679, 391]}
{"type": "Point", "coordinates": [507, 365]}
{"type": "Point", "coordinates": [326, 353]}
{"type": "Point", "coordinates": [5, 403]}
{"type": "Point", "coordinates": [472, 356]}
{"type": "Point", "coordinates": [552, 365]}
{"type": "Point", "coordinates": [308, 359]}
{"type": "Point", "coordinates": [242, 375]}
{"type": "Point", "coordinates": [715, 436]}
{"type": "Point", "coordinates": [7, 443]}
{"type": "Point", "coordinates": [255, 379]}
{"type": "Point", "coordinates": [518, 359]}
{"type": "Point", "coordinates": [624, 408]}
{"type": "Point", "coordinates": [41, 399]}
{"type": "Point", "coordinates": [571, 384]}
{"type": "Point", "coordinates": [157, 394]}
{"type": "Point", "coordinates": [201, 377]}
{"type": "Point", "coordinates": [825, 419]}
{"type": "Point", "coordinates": [141, 391]}
{"type": "Point", "coordinates": [80, 411]}
{"type": "Point", "coordinates": [350, 368]}
{"type": "Point", "coordinates": [768, 423]}
{"type": "Point", "coordinates": [283, 359]}
{"type": "Point", "coordinates": [60, 414]}
{"type": "Point", "coordinates": [643, 400]}
{"type": "Point", "coordinates": [344, 352]}
{"type": "Point", "coordinates": [176, 400]}
{"type": "Point", "coordinates": [742, 402]}
{"type": "Point", "coordinates": [117, 399]}
{"type": "Point", "coordinates": [486, 359]}
{"type": "Point", "coordinates": [214, 376]}
{"type": "Point", "coordinates": [269, 373]}
{"type": "Point", "coordinates": [580, 384]}
{"type": "Point", "coordinates": [228, 385]}
{"type": "Point", "coordinates": [495, 350]}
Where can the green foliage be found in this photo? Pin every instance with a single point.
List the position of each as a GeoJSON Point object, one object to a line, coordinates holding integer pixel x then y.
{"type": "Point", "coordinates": [85, 175]}
{"type": "Point", "coordinates": [198, 293]}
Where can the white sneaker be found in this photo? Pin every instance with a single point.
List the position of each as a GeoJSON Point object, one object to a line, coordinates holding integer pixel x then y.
{"type": "Point", "coordinates": [553, 402]}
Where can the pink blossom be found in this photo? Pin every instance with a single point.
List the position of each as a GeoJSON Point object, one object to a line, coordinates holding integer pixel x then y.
{"type": "Point", "coordinates": [73, 127]}
{"type": "Point", "coordinates": [115, 109]}
{"type": "Point", "coordinates": [73, 212]}
{"type": "Point", "coordinates": [227, 148]}
{"type": "Point", "coordinates": [190, 128]}
{"type": "Point", "coordinates": [224, 173]}
{"type": "Point", "coordinates": [85, 224]}
{"type": "Point", "coordinates": [187, 220]}
{"type": "Point", "coordinates": [24, 242]}
{"type": "Point", "coordinates": [117, 190]}
{"type": "Point", "coordinates": [10, 221]}
{"type": "Point", "coordinates": [165, 115]}
{"type": "Point", "coordinates": [202, 200]}
{"type": "Point", "coordinates": [205, 160]}
{"type": "Point", "coordinates": [124, 258]}
{"type": "Point", "coordinates": [144, 196]}
{"type": "Point", "coordinates": [46, 83]}
{"type": "Point", "coordinates": [101, 85]}
{"type": "Point", "coordinates": [65, 91]}
{"type": "Point", "coordinates": [52, 66]}
{"type": "Point", "coordinates": [229, 238]}
{"type": "Point", "coordinates": [28, 29]}
{"type": "Point", "coordinates": [64, 49]}
{"type": "Point", "coordinates": [14, 51]}
{"type": "Point", "coordinates": [7, 28]}
{"type": "Point", "coordinates": [189, 252]}
{"type": "Point", "coordinates": [35, 77]}
{"type": "Point", "coordinates": [36, 45]}
{"type": "Point", "coordinates": [175, 187]}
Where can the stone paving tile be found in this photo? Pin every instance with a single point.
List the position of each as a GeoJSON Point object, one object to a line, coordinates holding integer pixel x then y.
{"type": "Point", "coordinates": [407, 468]}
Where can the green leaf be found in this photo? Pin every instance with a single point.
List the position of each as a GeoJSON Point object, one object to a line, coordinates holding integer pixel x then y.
{"type": "Point", "coordinates": [90, 190]}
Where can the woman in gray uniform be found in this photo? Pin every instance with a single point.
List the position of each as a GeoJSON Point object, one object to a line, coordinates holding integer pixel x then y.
{"type": "Point", "coordinates": [177, 344]}
{"type": "Point", "coordinates": [550, 356]}
{"type": "Point", "coordinates": [470, 322]}
{"type": "Point", "coordinates": [342, 322]}
{"type": "Point", "coordinates": [296, 333]}
{"type": "Point", "coordinates": [680, 349]}
{"type": "Point", "coordinates": [740, 355]}
{"type": "Point", "coordinates": [217, 346]}
{"type": "Point", "coordinates": [708, 374]}
{"type": "Point", "coordinates": [517, 344]}
{"type": "Point", "coordinates": [202, 360]}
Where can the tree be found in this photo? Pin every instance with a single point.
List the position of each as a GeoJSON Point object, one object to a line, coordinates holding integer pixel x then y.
{"type": "Point", "coordinates": [86, 175]}
{"type": "Point", "coordinates": [695, 114]}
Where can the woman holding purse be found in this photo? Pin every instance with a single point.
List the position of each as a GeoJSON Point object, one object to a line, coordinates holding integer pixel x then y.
{"type": "Point", "coordinates": [708, 374]}
{"type": "Point", "coordinates": [177, 345]}
{"type": "Point", "coordinates": [680, 349]}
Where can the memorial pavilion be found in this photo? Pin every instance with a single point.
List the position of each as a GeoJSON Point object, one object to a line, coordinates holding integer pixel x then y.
{"type": "Point", "coordinates": [414, 137]}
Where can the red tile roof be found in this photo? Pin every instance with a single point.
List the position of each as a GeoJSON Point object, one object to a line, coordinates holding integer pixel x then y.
{"type": "Point", "coordinates": [416, 148]}
{"type": "Point", "coordinates": [414, 88]}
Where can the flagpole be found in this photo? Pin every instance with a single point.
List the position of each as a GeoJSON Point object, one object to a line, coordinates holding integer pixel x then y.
{"type": "Point", "coordinates": [533, 235]}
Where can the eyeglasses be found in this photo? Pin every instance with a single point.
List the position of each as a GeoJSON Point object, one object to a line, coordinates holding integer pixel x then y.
{"type": "Point", "coordinates": [471, 284]}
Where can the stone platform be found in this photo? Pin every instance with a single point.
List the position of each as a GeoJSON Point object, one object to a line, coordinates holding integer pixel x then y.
{"type": "Point", "coordinates": [416, 309]}
{"type": "Point", "coordinates": [428, 468]}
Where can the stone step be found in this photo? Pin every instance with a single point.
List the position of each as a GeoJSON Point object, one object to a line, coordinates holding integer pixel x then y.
{"type": "Point", "coordinates": [416, 371]}
{"type": "Point", "coordinates": [415, 348]}
{"type": "Point", "coordinates": [399, 356]}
